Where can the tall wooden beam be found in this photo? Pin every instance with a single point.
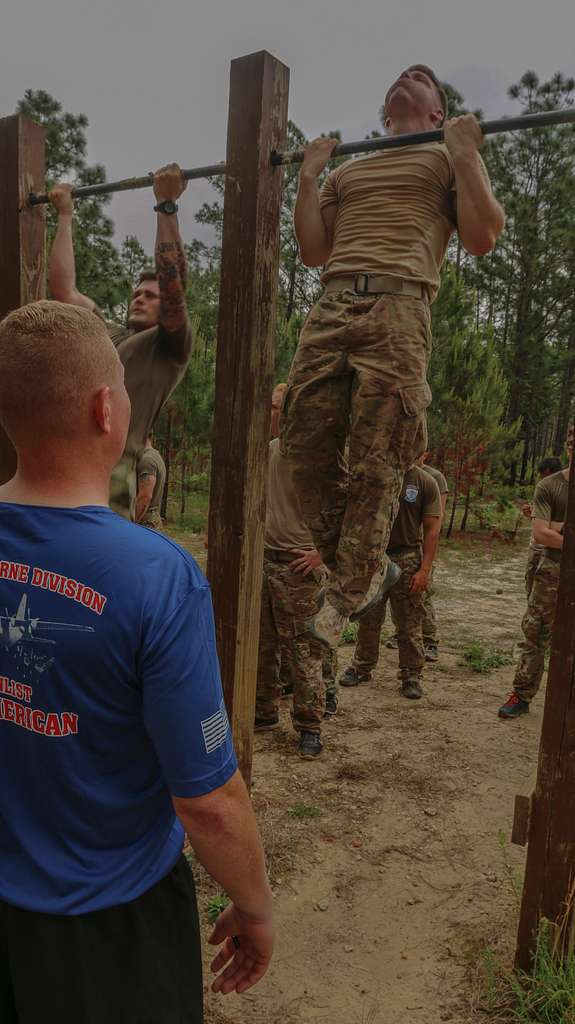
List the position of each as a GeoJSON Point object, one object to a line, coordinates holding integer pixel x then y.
{"type": "Point", "coordinates": [550, 871]}
{"type": "Point", "coordinates": [22, 235]}
{"type": "Point", "coordinates": [257, 125]}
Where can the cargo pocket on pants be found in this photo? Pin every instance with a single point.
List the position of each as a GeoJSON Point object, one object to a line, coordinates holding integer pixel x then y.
{"type": "Point", "coordinates": [415, 398]}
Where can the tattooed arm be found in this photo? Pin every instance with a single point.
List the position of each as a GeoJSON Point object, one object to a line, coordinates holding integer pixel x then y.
{"type": "Point", "coordinates": [171, 267]}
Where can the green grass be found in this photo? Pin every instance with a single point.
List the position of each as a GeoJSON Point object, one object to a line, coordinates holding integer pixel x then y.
{"type": "Point", "coordinates": [215, 906]}
{"type": "Point", "coordinates": [349, 635]}
{"type": "Point", "coordinates": [304, 812]}
{"type": "Point", "coordinates": [546, 996]}
{"type": "Point", "coordinates": [483, 659]}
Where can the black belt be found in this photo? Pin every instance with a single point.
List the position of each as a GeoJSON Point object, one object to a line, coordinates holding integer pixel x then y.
{"type": "Point", "coordinates": [275, 555]}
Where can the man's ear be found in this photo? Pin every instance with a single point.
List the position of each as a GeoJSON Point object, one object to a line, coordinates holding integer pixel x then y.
{"type": "Point", "coordinates": [102, 409]}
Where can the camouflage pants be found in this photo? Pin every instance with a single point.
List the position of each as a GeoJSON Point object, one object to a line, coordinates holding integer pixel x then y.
{"type": "Point", "coordinates": [359, 371]}
{"type": "Point", "coordinates": [288, 599]}
{"type": "Point", "coordinates": [533, 559]}
{"type": "Point", "coordinates": [152, 519]}
{"type": "Point", "coordinates": [328, 667]}
{"type": "Point", "coordinates": [429, 624]}
{"type": "Point", "coordinates": [407, 610]}
{"type": "Point", "coordinates": [537, 625]}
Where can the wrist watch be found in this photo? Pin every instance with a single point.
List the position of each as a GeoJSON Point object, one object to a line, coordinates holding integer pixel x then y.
{"type": "Point", "coordinates": [167, 206]}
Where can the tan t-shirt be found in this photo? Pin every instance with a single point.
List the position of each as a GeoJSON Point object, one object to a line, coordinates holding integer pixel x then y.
{"type": "Point", "coordinates": [550, 504]}
{"type": "Point", "coordinates": [151, 375]}
{"type": "Point", "coordinates": [438, 477]}
{"type": "Point", "coordinates": [396, 213]}
{"type": "Point", "coordinates": [151, 463]}
{"type": "Point", "coordinates": [285, 526]}
{"type": "Point", "coordinates": [419, 497]}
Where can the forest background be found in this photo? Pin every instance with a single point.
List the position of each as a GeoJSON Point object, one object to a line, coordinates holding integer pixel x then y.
{"type": "Point", "coordinates": [503, 365]}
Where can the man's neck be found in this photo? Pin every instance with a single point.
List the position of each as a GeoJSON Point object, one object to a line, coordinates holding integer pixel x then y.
{"type": "Point", "coordinates": [409, 125]}
{"type": "Point", "coordinates": [53, 486]}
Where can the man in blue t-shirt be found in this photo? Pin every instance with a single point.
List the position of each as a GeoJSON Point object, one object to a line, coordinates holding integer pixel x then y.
{"type": "Point", "coordinates": [114, 738]}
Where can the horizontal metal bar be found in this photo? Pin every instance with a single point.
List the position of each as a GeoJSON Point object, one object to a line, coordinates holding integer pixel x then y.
{"type": "Point", "coordinates": [127, 184]}
{"type": "Point", "coordinates": [504, 124]}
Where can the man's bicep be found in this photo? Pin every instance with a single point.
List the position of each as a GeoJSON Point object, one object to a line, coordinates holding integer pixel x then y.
{"type": "Point", "coordinates": [328, 215]}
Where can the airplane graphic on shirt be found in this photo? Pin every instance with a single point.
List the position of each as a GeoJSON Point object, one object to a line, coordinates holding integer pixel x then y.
{"type": "Point", "coordinates": [21, 627]}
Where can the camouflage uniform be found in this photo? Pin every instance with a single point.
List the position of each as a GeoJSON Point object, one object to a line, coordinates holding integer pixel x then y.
{"type": "Point", "coordinates": [359, 370]}
{"type": "Point", "coordinates": [537, 626]}
{"type": "Point", "coordinates": [407, 611]}
{"type": "Point", "coordinates": [328, 667]}
{"type": "Point", "coordinates": [536, 551]}
{"type": "Point", "coordinates": [429, 624]}
{"type": "Point", "coordinates": [288, 600]}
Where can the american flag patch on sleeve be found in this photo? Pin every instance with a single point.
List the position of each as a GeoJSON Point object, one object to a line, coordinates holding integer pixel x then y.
{"type": "Point", "coordinates": [215, 729]}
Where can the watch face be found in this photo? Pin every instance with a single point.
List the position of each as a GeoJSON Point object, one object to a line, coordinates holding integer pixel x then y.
{"type": "Point", "coordinates": [168, 206]}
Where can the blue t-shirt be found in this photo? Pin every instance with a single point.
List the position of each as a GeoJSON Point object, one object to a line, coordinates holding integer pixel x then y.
{"type": "Point", "coordinates": [110, 701]}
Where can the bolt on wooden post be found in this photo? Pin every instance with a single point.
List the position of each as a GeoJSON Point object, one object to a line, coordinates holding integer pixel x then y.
{"type": "Point", "coordinates": [550, 870]}
{"type": "Point", "coordinates": [22, 233]}
{"type": "Point", "coordinates": [259, 86]}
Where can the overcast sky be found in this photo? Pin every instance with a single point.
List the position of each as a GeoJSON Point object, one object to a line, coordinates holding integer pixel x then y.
{"type": "Point", "coordinates": [153, 77]}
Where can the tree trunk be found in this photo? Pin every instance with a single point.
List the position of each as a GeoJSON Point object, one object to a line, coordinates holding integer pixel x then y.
{"type": "Point", "coordinates": [183, 486]}
{"type": "Point", "coordinates": [453, 510]}
{"type": "Point", "coordinates": [564, 414]}
{"type": "Point", "coordinates": [291, 290]}
{"type": "Point", "coordinates": [463, 526]}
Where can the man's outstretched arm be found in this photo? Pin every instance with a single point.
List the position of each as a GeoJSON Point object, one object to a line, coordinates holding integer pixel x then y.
{"type": "Point", "coordinates": [176, 336]}
{"type": "Point", "coordinates": [62, 265]}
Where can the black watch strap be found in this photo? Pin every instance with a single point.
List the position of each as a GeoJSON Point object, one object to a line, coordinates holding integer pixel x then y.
{"type": "Point", "coordinates": [167, 206]}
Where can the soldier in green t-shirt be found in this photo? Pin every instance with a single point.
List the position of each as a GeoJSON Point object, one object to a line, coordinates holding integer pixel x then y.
{"type": "Point", "coordinates": [429, 624]}
{"type": "Point", "coordinates": [151, 472]}
{"type": "Point", "coordinates": [548, 515]}
{"type": "Point", "coordinates": [156, 345]}
{"type": "Point", "coordinates": [412, 546]}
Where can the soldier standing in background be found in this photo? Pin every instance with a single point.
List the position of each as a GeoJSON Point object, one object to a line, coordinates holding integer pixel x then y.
{"type": "Point", "coordinates": [429, 624]}
{"type": "Point", "coordinates": [419, 513]}
{"type": "Point", "coordinates": [293, 576]}
{"type": "Point", "coordinates": [151, 473]}
{"type": "Point", "coordinates": [548, 516]}
{"type": "Point", "coordinates": [546, 468]}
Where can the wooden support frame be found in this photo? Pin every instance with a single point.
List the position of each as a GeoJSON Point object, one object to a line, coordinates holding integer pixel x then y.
{"type": "Point", "coordinates": [22, 231]}
{"type": "Point", "coordinates": [259, 86]}
{"type": "Point", "coordinates": [550, 870]}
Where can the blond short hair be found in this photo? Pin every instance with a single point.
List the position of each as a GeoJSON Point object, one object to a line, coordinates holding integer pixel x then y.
{"type": "Point", "coordinates": [53, 358]}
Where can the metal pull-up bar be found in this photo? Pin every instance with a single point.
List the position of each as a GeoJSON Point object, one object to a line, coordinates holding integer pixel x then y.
{"type": "Point", "coordinates": [504, 124]}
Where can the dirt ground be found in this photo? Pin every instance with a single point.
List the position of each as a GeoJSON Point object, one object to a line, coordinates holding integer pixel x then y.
{"type": "Point", "coordinates": [386, 897]}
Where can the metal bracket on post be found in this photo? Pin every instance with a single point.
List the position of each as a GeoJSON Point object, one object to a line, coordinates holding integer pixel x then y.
{"type": "Point", "coordinates": [521, 820]}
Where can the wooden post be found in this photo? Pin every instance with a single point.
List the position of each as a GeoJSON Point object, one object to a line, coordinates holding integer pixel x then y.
{"type": "Point", "coordinates": [550, 867]}
{"type": "Point", "coordinates": [257, 125]}
{"type": "Point", "coordinates": [22, 235]}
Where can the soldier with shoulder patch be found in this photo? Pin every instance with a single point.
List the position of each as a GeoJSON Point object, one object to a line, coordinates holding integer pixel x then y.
{"type": "Point", "coordinates": [412, 546]}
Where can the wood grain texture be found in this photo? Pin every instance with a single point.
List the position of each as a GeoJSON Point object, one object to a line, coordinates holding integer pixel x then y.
{"type": "Point", "coordinates": [257, 124]}
{"type": "Point", "coordinates": [22, 232]}
{"type": "Point", "coordinates": [550, 869]}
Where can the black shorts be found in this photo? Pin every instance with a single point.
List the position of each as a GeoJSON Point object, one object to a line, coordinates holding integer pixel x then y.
{"type": "Point", "coordinates": [137, 963]}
